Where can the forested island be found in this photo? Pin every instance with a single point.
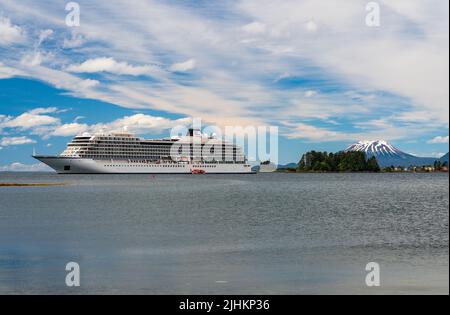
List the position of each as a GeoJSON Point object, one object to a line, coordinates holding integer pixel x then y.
{"type": "Point", "coordinates": [351, 161]}
{"type": "Point", "coordinates": [344, 161]}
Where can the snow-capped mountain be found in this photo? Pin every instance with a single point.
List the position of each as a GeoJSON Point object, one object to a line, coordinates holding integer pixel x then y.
{"type": "Point", "coordinates": [377, 148]}
{"type": "Point", "coordinates": [387, 155]}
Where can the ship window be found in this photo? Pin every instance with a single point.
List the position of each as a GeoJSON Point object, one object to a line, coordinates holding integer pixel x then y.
{"type": "Point", "coordinates": [67, 167]}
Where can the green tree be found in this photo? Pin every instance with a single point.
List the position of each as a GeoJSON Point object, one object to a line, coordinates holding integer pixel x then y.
{"type": "Point", "coordinates": [438, 165]}
{"type": "Point", "coordinates": [372, 165]}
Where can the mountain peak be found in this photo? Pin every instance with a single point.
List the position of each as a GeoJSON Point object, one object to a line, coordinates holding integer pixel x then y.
{"type": "Point", "coordinates": [373, 141]}
{"type": "Point", "coordinates": [375, 147]}
{"type": "Point", "coordinates": [387, 155]}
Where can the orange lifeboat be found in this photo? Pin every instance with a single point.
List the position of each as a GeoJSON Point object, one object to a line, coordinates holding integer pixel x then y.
{"type": "Point", "coordinates": [197, 171]}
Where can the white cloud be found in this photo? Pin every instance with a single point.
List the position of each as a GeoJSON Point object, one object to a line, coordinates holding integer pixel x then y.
{"type": "Point", "coordinates": [77, 86]}
{"type": "Point", "coordinates": [312, 26]}
{"type": "Point", "coordinates": [141, 124]}
{"type": "Point", "coordinates": [137, 124]}
{"type": "Point", "coordinates": [19, 167]}
{"type": "Point", "coordinates": [316, 134]}
{"type": "Point", "coordinates": [35, 58]}
{"type": "Point", "coordinates": [8, 141]}
{"type": "Point", "coordinates": [38, 122]}
{"type": "Point", "coordinates": [8, 72]}
{"type": "Point", "coordinates": [9, 33]}
{"type": "Point", "coordinates": [70, 129]}
{"type": "Point", "coordinates": [282, 76]}
{"type": "Point", "coordinates": [88, 84]}
{"type": "Point", "coordinates": [254, 28]}
{"type": "Point", "coordinates": [373, 129]}
{"type": "Point", "coordinates": [190, 101]}
{"type": "Point", "coordinates": [439, 140]}
{"type": "Point", "coordinates": [44, 35]}
{"type": "Point", "coordinates": [183, 66]}
{"type": "Point", "coordinates": [411, 64]}
{"type": "Point", "coordinates": [310, 93]}
{"type": "Point", "coordinates": [43, 110]}
{"type": "Point", "coordinates": [75, 41]}
{"type": "Point", "coordinates": [28, 120]}
{"type": "Point", "coordinates": [436, 155]}
{"type": "Point", "coordinates": [110, 65]}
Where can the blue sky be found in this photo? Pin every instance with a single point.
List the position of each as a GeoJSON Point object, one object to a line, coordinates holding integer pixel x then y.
{"type": "Point", "coordinates": [313, 68]}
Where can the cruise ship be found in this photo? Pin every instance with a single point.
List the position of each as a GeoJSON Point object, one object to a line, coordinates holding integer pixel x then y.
{"type": "Point", "coordinates": [124, 153]}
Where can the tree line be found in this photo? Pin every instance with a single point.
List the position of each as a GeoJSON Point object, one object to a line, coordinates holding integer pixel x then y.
{"type": "Point", "coordinates": [350, 161]}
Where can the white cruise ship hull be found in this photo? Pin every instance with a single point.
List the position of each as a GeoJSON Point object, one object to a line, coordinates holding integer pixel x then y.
{"type": "Point", "coordinates": [63, 165]}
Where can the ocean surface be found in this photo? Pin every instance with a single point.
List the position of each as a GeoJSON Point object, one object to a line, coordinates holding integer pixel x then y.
{"type": "Point", "coordinates": [225, 234]}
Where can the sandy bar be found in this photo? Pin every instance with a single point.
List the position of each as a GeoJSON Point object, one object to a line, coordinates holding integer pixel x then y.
{"type": "Point", "coordinates": [31, 185]}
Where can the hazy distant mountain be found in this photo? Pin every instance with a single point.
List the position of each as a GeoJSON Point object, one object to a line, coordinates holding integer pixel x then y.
{"type": "Point", "coordinates": [387, 155]}
{"type": "Point", "coordinates": [286, 166]}
{"type": "Point", "coordinates": [444, 158]}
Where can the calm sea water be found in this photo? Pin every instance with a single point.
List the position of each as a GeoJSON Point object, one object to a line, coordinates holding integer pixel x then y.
{"type": "Point", "coordinates": [225, 234]}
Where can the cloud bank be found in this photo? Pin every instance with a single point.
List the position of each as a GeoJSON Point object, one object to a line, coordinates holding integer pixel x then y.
{"type": "Point", "coordinates": [311, 67]}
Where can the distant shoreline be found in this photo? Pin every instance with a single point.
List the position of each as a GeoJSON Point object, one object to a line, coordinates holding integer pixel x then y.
{"type": "Point", "coordinates": [31, 185]}
{"type": "Point", "coordinates": [293, 171]}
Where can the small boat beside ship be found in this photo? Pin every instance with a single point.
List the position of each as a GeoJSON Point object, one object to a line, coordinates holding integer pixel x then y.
{"type": "Point", "coordinates": [198, 172]}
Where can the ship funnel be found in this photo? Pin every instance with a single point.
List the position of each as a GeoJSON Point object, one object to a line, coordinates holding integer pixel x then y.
{"type": "Point", "coordinates": [194, 132]}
